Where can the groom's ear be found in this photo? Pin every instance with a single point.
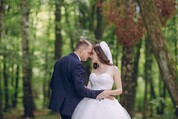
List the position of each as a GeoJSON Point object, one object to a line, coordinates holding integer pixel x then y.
{"type": "Point", "coordinates": [81, 50]}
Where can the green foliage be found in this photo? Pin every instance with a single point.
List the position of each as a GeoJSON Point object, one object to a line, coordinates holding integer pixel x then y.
{"type": "Point", "coordinates": [41, 37]}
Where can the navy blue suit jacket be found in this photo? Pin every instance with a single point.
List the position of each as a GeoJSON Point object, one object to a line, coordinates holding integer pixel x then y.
{"type": "Point", "coordinates": [67, 85]}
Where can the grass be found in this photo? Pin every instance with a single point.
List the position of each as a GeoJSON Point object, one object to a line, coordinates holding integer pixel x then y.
{"type": "Point", "coordinates": [16, 114]}
{"type": "Point", "coordinates": [47, 114]}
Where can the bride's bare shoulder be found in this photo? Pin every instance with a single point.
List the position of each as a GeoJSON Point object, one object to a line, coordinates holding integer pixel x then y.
{"type": "Point", "coordinates": [115, 68]}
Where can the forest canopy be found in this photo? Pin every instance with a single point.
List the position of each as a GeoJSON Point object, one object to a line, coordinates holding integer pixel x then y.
{"type": "Point", "coordinates": [142, 36]}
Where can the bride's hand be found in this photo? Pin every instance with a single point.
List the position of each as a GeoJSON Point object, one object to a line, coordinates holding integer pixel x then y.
{"type": "Point", "coordinates": [104, 94]}
{"type": "Point", "coordinates": [110, 97]}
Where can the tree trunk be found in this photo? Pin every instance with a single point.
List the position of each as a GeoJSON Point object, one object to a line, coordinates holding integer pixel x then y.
{"type": "Point", "coordinates": [162, 94]}
{"type": "Point", "coordinates": [11, 74]}
{"type": "Point", "coordinates": [175, 40]}
{"type": "Point", "coordinates": [69, 31]}
{"type": "Point", "coordinates": [128, 83]}
{"type": "Point", "coordinates": [91, 23]}
{"type": "Point", "coordinates": [129, 77]}
{"type": "Point", "coordinates": [164, 59]}
{"type": "Point", "coordinates": [135, 75]}
{"type": "Point", "coordinates": [98, 32]}
{"type": "Point", "coordinates": [117, 54]}
{"type": "Point", "coordinates": [152, 96]}
{"type": "Point", "coordinates": [1, 97]}
{"type": "Point", "coordinates": [26, 68]}
{"type": "Point", "coordinates": [176, 49]}
{"type": "Point", "coordinates": [45, 90]}
{"type": "Point", "coordinates": [148, 77]}
{"type": "Point", "coordinates": [58, 40]}
{"type": "Point", "coordinates": [14, 101]}
{"type": "Point", "coordinates": [6, 86]}
{"type": "Point", "coordinates": [46, 81]}
{"type": "Point", "coordinates": [11, 82]}
{"type": "Point", "coordinates": [145, 103]}
{"type": "Point", "coordinates": [2, 11]}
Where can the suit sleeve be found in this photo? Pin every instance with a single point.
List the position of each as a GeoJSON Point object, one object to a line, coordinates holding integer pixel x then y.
{"type": "Point", "coordinates": [52, 81]}
{"type": "Point", "coordinates": [52, 78]}
{"type": "Point", "coordinates": [78, 75]}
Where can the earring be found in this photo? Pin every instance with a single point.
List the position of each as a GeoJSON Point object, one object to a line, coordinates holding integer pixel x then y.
{"type": "Point", "coordinates": [95, 66]}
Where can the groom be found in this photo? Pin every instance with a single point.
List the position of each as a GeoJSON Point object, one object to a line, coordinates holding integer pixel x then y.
{"type": "Point", "coordinates": [67, 82]}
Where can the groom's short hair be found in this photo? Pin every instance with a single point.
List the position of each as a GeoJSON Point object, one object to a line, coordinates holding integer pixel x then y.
{"type": "Point", "coordinates": [83, 42]}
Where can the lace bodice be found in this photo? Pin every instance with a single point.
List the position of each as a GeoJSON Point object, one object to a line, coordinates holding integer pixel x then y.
{"type": "Point", "coordinates": [101, 81]}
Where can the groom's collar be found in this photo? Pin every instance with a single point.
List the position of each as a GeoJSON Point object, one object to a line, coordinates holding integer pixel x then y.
{"type": "Point", "coordinates": [77, 56]}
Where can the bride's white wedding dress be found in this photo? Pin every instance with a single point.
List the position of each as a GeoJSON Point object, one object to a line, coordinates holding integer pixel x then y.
{"type": "Point", "coordinates": [95, 109]}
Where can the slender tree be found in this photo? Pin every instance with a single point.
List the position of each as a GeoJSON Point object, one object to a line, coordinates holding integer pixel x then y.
{"type": "Point", "coordinates": [162, 94]}
{"type": "Point", "coordinates": [15, 95]}
{"type": "Point", "coordinates": [2, 11]}
{"type": "Point", "coordinates": [46, 81]}
{"type": "Point", "coordinates": [69, 27]}
{"type": "Point", "coordinates": [175, 41]}
{"type": "Point", "coordinates": [160, 50]}
{"type": "Point", "coordinates": [83, 14]}
{"type": "Point", "coordinates": [58, 36]}
{"type": "Point", "coordinates": [91, 18]}
{"type": "Point", "coordinates": [147, 76]}
{"type": "Point", "coordinates": [6, 85]}
{"type": "Point", "coordinates": [176, 49]}
{"type": "Point", "coordinates": [98, 32]}
{"type": "Point", "coordinates": [136, 70]}
{"type": "Point", "coordinates": [152, 96]}
{"type": "Point", "coordinates": [27, 71]}
{"type": "Point", "coordinates": [1, 97]}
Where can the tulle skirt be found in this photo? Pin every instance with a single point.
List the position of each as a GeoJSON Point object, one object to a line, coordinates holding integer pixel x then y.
{"type": "Point", "coordinates": [104, 109]}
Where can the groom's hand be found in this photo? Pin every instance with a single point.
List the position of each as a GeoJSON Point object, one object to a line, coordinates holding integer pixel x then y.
{"type": "Point", "coordinates": [104, 94]}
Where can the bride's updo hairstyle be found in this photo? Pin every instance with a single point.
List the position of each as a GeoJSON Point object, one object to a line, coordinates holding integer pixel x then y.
{"type": "Point", "coordinates": [101, 56]}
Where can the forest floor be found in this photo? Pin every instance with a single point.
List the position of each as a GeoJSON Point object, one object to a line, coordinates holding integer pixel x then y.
{"type": "Point", "coordinates": [16, 114]}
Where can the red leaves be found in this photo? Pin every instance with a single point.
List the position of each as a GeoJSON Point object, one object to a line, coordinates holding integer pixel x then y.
{"type": "Point", "coordinates": [125, 16]}
{"type": "Point", "coordinates": [127, 19]}
{"type": "Point", "coordinates": [165, 9]}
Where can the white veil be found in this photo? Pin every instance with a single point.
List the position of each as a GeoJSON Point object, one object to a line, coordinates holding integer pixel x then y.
{"type": "Point", "coordinates": [104, 46]}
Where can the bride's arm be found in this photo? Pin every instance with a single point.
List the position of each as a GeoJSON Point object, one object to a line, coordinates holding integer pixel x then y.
{"type": "Point", "coordinates": [118, 83]}
{"type": "Point", "coordinates": [117, 79]}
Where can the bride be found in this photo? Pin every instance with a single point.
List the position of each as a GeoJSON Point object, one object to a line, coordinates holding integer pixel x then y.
{"type": "Point", "coordinates": [102, 77]}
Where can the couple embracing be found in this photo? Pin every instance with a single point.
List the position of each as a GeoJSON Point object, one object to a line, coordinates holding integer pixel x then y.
{"type": "Point", "coordinates": [72, 99]}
